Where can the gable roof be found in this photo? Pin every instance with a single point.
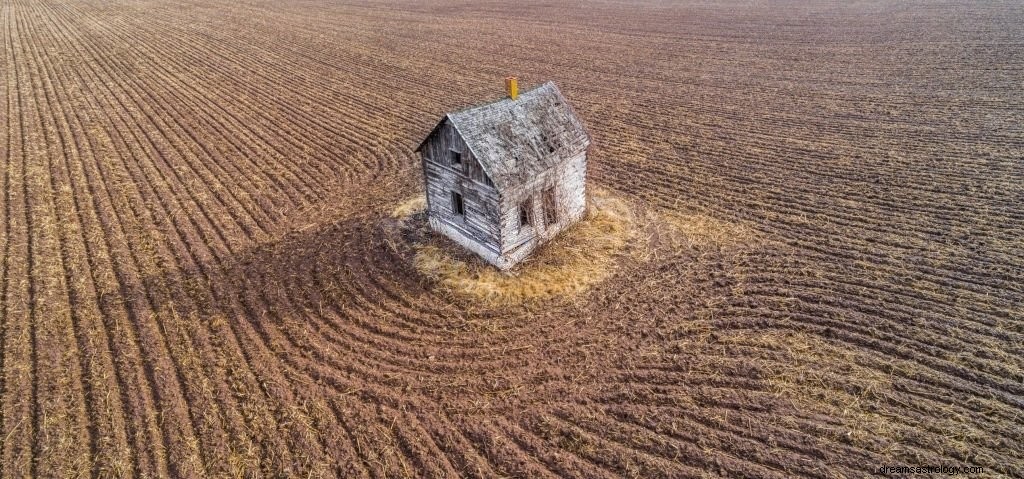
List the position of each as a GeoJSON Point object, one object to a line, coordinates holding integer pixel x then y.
{"type": "Point", "coordinates": [514, 140]}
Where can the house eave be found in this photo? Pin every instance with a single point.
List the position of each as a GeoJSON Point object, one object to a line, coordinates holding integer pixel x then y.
{"type": "Point", "coordinates": [432, 131]}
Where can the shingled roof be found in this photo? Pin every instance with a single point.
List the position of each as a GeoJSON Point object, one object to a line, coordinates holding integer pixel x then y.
{"type": "Point", "coordinates": [514, 140]}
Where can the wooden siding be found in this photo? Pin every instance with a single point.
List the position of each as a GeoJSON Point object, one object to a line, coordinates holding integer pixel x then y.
{"type": "Point", "coordinates": [480, 222]}
{"type": "Point", "coordinates": [490, 226]}
{"type": "Point", "coordinates": [569, 181]}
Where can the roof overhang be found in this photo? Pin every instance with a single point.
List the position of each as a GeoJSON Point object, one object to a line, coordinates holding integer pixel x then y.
{"type": "Point", "coordinates": [432, 130]}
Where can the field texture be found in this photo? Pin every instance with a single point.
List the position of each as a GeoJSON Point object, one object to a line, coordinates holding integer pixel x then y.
{"type": "Point", "coordinates": [200, 274]}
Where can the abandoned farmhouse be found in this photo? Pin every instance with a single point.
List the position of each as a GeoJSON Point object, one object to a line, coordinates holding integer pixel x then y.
{"type": "Point", "coordinates": [506, 177]}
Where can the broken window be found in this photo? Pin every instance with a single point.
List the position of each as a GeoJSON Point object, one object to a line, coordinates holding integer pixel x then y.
{"type": "Point", "coordinates": [550, 207]}
{"type": "Point", "coordinates": [525, 213]}
{"type": "Point", "coordinates": [457, 205]}
{"type": "Point", "coordinates": [456, 158]}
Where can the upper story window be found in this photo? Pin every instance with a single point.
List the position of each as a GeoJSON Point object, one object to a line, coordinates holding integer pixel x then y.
{"type": "Point", "coordinates": [455, 157]}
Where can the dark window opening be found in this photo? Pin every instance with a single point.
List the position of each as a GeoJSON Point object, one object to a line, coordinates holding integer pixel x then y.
{"type": "Point", "coordinates": [456, 158]}
{"type": "Point", "coordinates": [550, 207]}
{"type": "Point", "coordinates": [457, 205]}
{"type": "Point", "coordinates": [525, 213]}
{"type": "Point", "coordinates": [487, 180]}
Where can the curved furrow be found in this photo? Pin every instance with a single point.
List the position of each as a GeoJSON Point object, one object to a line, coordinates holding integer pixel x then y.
{"type": "Point", "coordinates": [457, 448]}
{"type": "Point", "coordinates": [667, 393]}
{"type": "Point", "coordinates": [851, 296]}
{"type": "Point", "coordinates": [199, 192]}
{"type": "Point", "coordinates": [402, 328]}
{"type": "Point", "coordinates": [739, 449]}
{"type": "Point", "coordinates": [739, 438]}
{"type": "Point", "coordinates": [374, 439]}
{"type": "Point", "coordinates": [602, 448]}
{"type": "Point", "coordinates": [506, 456]}
{"type": "Point", "coordinates": [416, 444]}
{"type": "Point", "coordinates": [564, 465]}
{"type": "Point", "coordinates": [867, 246]}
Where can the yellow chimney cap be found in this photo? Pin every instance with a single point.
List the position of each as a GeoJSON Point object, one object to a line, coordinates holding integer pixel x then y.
{"type": "Point", "coordinates": [512, 87]}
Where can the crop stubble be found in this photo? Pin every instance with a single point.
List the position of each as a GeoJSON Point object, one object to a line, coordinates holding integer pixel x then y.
{"type": "Point", "coordinates": [200, 276]}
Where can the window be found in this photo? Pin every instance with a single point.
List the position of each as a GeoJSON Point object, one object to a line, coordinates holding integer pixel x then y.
{"type": "Point", "coordinates": [487, 180]}
{"type": "Point", "coordinates": [456, 158]}
{"type": "Point", "coordinates": [457, 205]}
{"type": "Point", "coordinates": [525, 213]}
{"type": "Point", "coordinates": [550, 207]}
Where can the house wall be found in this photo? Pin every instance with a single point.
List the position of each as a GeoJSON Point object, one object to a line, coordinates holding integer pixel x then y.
{"type": "Point", "coordinates": [569, 181]}
{"type": "Point", "coordinates": [478, 229]}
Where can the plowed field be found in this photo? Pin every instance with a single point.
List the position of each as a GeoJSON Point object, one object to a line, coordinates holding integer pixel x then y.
{"type": "Point", "coordinates": [201, 276]}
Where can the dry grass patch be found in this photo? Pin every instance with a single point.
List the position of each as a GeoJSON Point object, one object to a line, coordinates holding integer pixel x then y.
{"type": "Point", "coordinates": [829, 377]}
{"type": "Point", "coordinates": [814, 375]}
{"type": "Point", "coordinates": [701, 231]}
{"type": "Point", "coordinates": [580, 257]}
{"type": "Point", "coordinates": [410, 207]}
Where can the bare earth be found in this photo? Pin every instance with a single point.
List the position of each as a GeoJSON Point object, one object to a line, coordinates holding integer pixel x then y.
{"type": "Point", "coordinates": [201, 275]}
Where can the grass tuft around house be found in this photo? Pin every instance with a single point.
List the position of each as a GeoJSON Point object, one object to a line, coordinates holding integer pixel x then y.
{"type": "Point", "coordinates": [579, 257]}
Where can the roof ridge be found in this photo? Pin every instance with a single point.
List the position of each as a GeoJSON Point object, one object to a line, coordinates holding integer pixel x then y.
{"type": "Point", "coordinates": [506, 98]}
{"type": "Point", "coordinates": [515, 140]}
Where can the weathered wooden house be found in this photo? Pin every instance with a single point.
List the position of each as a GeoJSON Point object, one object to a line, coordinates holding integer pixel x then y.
{"type": "Point", "coordinates": [505, 177]}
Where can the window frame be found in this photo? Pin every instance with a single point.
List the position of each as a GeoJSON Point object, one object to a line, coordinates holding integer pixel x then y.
{"type": "Point", "coordinates": [455, 158]}
{"type": "Point", "coordinates": [458, 204]}
{"type": "Point", "coordinates": [549, 195]}
{"type": "Point", "coordinates": [526, 213]}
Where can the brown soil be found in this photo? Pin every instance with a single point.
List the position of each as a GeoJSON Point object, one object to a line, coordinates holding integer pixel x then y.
{"type": "Point", "coordinates": [201, 276]}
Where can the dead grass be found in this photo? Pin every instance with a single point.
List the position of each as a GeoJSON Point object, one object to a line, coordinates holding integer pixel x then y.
{"type": "Point", "coordinates": [816, 376]}
{"type": "Point", "coordinates": [410, 207]}
{"type": "Point", "coordinates": [701, 231]}
{"type": "Point", "coordinates": [580, 257]}
{"type": "Point", "coordinates": [828, 377]}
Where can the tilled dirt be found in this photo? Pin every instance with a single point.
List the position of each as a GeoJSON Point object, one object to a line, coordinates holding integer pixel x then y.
{"type": "Point", "coordinates": [201, 275]}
